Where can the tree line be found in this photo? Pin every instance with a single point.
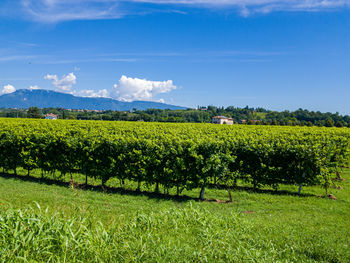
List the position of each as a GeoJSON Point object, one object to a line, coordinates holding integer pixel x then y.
{"type": "Point", "coordinates": [247, 115]}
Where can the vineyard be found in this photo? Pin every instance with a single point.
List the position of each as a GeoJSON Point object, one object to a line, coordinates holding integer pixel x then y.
{"type": "Point", "coordinates": [176, 156]}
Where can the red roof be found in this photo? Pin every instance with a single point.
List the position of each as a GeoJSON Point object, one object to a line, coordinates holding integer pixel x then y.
{"type": "Point", "coordinates": [222, 117]}
{"type": "Point", "coordinates": [51, 114]}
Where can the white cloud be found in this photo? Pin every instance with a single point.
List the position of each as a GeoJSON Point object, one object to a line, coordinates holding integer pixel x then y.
{"type": "Point", "coordinates": [52, 11]}
{"type": "Point", "coordinates": [65, 84]}
{"type": "Point", "coordinates": [92, 93]}
{"type": "Point", "coordinates": [127, 89]}
{"type": "Point", "coordinates": [35, 87]}
{"type": "Point", "coordinates": [7, 89]}
{"type": "Point", "coordinates": [15, 58]}
{"type": "Point", "coordinates": [130, 89]}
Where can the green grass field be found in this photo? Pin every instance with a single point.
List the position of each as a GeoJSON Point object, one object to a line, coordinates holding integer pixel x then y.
{"type": "Point", "coordinates": [75, 225]}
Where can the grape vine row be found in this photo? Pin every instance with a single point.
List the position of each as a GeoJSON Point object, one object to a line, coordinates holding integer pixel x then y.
{"type": "Point", "coordinates": [181, 156]}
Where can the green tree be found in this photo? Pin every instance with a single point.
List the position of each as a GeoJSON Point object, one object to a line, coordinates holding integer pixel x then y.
{"type": "Point", "coordinates": [329, 123]}
{"type": "Point", "coordinates": [34, 112]}
{"type": "Point", "coordinates": [339, 124]}
{"type": "Point", "coordinates": [65, 115]}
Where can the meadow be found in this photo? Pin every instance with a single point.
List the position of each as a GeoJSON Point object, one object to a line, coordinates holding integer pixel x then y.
{"type": "Point", "coordinates": [47, 221]}
{"type": "Point", "coordinates": [51, 215]}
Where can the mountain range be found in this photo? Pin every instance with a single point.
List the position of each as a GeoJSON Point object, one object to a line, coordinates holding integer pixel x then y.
{"type": "Point", "coordinates": [25, 98]}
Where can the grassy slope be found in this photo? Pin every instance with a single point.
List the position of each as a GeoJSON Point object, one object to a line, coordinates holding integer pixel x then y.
{"type": "Point", "coordinates": [282, 228]}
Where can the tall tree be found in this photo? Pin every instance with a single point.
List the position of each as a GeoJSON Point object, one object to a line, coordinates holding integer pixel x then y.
{"type": "Point", "coordinates": [34, 112]}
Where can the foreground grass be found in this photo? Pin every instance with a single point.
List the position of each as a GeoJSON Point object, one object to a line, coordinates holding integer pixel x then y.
{"type": "Point", "coordinates": [89, 226]}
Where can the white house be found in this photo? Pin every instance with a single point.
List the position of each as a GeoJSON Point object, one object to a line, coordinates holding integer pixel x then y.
{"type": "Point", "coordinates": [51, 116]}
{"type": "Point", "coordinates": [222, 120]}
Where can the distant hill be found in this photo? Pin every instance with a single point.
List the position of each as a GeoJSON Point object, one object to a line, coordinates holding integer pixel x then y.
{"type": "Point", "coordinates": [26, 98]}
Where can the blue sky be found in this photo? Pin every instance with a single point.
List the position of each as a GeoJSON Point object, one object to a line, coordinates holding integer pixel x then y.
{"type": "Point", "coordinates": [277, 54]}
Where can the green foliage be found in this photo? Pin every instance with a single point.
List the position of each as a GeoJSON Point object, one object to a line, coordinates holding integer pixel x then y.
{"type": "Point", "coordinates": [34, 112]}
{"type": "Point", "coordinates": [184, 156]}
{"type": "Point", "coordinates": [92, 226]}
{"type": "Point", "coordinates": [257, 116]}
{"type": "Point", "coordinates": [329, 123]}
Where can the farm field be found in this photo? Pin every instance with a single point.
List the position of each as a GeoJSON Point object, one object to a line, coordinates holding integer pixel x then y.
{"type": "Point", "coordinates": [175, 156]}
{"type": "Point", "coordinates": [174, 131]}
{"type": "Point", "coordinates": [74, 191]}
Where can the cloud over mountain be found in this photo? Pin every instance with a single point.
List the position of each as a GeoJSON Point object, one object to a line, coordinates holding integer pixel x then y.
{"type": "Point", "coordinates": [127, 89]}
{"type": "Point", "coordinates": [7, 89]}
{"type": "Point", "coordinates": [65, 84]}
{"type": "Point", "coordinates": [130, 89]}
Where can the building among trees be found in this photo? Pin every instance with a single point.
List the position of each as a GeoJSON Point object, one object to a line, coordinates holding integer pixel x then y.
{"type": "Point", "coordinates": [222, 120]}
{"type": "Point", "coordinates": [51, 116]}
